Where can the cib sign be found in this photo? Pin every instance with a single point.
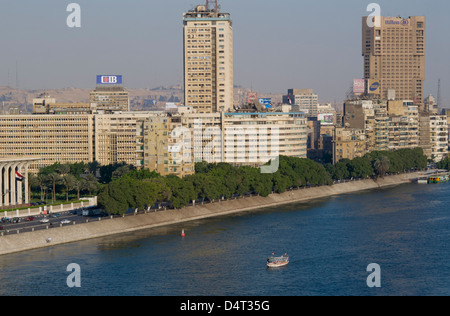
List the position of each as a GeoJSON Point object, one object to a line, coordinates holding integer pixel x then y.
{"type": "Point", "coordinates": [109, 79]}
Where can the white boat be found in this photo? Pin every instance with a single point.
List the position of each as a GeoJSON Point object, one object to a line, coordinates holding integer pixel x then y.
{"type": "Point", "coordinates": [277, 262]}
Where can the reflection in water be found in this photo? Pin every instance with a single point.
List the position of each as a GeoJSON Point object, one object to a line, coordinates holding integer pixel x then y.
{"type": "Point", "coordinates": [331, 241]}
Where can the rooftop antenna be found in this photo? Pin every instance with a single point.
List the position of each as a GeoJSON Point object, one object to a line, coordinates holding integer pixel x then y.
{"type": "Point", "coordinates": [17, 74]}
{"type": "Point", "coordinates": [439, 94]}
{"type": "Point", "coordinates": [209, 3]}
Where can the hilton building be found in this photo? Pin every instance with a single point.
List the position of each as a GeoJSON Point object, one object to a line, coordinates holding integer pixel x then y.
{"type": "Point", "coordinates": [394, 56]}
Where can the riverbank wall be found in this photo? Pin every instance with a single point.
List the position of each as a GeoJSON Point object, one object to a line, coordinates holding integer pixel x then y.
{"type": "Point", "coordinates": [105, 227]}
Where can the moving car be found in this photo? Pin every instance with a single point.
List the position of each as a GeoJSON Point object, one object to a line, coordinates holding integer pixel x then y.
{"type": "Point", "coordinates": [44, 220]}
{"type": "Point", "coordinates": [66, 221]}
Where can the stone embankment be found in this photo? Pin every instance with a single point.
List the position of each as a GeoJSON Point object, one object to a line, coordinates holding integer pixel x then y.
{"type": "Point", "coordinates": [73, 233]}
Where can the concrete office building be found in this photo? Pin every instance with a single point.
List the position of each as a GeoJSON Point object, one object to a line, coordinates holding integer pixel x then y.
{"type": "Point", "coordinates": [394, 57]}
{"type": "Point", "coordinates": [208, 60]}
{"type": "Point", "coordinates": [53, 138]}
{"type": "Point", "coordinates": [106, 138]}
{"type": "Point", "coordinates": [110, 99]}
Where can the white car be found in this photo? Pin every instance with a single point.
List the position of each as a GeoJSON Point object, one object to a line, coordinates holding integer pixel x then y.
{"type": "Point", "coordinates": [44, 220]}
{"type": "Point", "coordinates": [66, 221]}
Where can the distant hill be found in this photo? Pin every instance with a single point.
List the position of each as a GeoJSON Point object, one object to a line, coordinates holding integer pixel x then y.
{"type": "Point", "coordinates": [140, 99]}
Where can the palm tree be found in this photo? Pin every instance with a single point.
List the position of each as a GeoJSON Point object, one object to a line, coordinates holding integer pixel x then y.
{"type": "Point", "coordinates": [42, 178]}
{"type": "Point", "coordinates": [69, 182]}
{"type": "Point", "coordinates": [33, 181]}
{"type": "Point", "coordinates": [78, 186]}
{"type": "Point", "coordinates": [381, 165]}
{"type": "Point", "coordinates": [54, 178]}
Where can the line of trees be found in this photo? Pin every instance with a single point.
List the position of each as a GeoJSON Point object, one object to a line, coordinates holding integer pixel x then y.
{"type": "Point", "coordinates": [121, 187]}
{"type": "Point", "coordinates": [74, 178]}
{"type": "Point", "coordinates": [378, 164]}
{"type": "Point", "coordinates": [141, 189]}
{"type": "Point", "coordinates": [444, 163]}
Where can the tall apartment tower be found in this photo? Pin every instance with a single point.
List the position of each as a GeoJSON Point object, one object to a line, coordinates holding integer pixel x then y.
{"type": "Point", "coordinates": [394, 57]}
{"type": "Point", "coordinates": [208, 59]}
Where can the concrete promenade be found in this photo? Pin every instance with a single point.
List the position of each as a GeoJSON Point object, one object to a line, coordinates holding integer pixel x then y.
{"type": "Point", "coordinates": [105, 227]}
{"type": "Point", "coordinates": [51, 208]}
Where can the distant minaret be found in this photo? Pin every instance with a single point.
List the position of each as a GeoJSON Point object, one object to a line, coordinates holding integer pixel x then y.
{"type": "Point", "coordinates": [439, 94]}
{"type": "Point", "coordinates": [17, 74]}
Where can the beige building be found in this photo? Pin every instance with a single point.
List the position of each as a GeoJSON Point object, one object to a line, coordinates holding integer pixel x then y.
{"type": "Point", "coordinates": [174, 143]}
{"type": "Point", "coordinates": [394, 57]}
{"type": "Point", "coordinates": [165, 149]}
{"type": "Point", "coordinates": [169, 143]}
{"type": "Point", "coordinates": [109, 99]}
{"type": "Point", "coordinates": [303, 100]}
{"type": "Point", "coordinates": [372, 117]}
{"type": "Point", "coordinates": [53, 138]}
{"type": "Point", "coordinates": [119, 137]}
{"type": "Point", "coordinates": [208, 60]}
{"type": "Point", "coordinates": [44, 104]}
{"type": "Point", "coordinates": [348, 143]}
{"type": "Point", "coordinates": [433, 136]}
{"type": "Point", "coordinates": [106, 138]}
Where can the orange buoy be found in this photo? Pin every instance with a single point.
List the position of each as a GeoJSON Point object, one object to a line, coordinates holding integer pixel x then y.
{"type": "Point", "coordinates": [182, 233]}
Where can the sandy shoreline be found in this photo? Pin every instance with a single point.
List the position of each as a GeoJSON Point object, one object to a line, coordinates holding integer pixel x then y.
{"type": "Point", "coordinates": [61, 235]}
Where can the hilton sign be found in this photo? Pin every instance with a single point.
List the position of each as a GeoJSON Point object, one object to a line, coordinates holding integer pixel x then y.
{"type": "Point", "coordinates": [403, 22]}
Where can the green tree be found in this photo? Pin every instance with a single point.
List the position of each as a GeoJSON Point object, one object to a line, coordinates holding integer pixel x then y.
{"type": "Point", "coordinates": [89, 183]}
{"type": "Point", "coordinates": [182, 192]}
{"type": "Point", "coordinates": [69, 182]}
{"type": "Point", "coordinates": [54, 179]}
{"type": "Point", "coordinates": [381, 165]}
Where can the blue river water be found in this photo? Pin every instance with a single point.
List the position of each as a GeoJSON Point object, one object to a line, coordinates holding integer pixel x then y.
{"type": "Point", "coordinates": [331, 242]}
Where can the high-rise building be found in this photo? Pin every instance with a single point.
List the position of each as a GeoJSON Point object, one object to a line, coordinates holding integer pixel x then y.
{"type": "Point", "coordinates": [394, 57]}
{"type": "Point", "coordinates": [208, 60]}
{"type": "Point", "coordinates": [304, 100]}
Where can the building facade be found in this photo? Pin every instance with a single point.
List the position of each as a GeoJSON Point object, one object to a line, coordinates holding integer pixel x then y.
{"type": "Point", "coordinates": [110, 99]}
{"type": "Point", "coordinates": [208, 60]}
{"type": "Point", "coordinates": [348, 143]}
{"type": "Point", "coordinates": [394, 57]}
{"type": "Point", "coordinates": [174, 143]}
{"type": "Point", "coordinates": [303, 100]}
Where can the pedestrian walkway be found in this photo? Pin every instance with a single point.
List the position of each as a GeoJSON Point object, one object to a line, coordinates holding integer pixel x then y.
{"type": "Point", "coordinates": [43, 210]}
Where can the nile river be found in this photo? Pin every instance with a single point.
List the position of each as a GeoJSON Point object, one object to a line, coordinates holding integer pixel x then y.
{"type": "Point", "coordinates": [405, 230]}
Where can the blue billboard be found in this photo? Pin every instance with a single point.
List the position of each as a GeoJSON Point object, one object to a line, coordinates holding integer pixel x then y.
{"type": "Point", "coordinates": [266, 102]}
{"type": "Point", "coordinates": [108, 79]}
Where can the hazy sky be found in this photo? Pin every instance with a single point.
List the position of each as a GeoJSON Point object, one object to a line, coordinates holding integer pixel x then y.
{"type": "Point", "coordinates": [278, 44]}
